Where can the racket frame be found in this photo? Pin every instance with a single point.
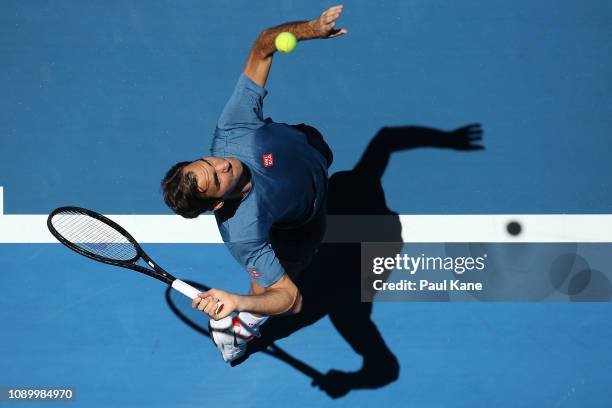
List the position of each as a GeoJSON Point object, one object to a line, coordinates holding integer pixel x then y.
{"type": "Point", "coordinates": [156, 272]}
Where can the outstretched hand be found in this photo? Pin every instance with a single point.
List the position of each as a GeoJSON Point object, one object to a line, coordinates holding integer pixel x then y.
{"type": "Point", "coordinates": [325, 25]}
{"type": "Point", "coordinates": [466, 137]}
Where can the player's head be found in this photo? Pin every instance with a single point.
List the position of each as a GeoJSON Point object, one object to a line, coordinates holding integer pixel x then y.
{"type": "Point", "coordinates": [191, 188]}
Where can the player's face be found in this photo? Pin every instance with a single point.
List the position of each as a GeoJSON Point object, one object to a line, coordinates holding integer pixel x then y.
{"type": "Point", "coordinates": [217, 176]}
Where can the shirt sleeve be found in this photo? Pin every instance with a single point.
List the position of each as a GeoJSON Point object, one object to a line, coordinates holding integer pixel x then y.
{"type": "Point", "coordinates": [244, 110]}
{"type": "Point", "coordinates": [259, 260]}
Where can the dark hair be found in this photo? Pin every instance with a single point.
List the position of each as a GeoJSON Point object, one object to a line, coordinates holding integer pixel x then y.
{"type": "Point", "coordinates": [181, 192]}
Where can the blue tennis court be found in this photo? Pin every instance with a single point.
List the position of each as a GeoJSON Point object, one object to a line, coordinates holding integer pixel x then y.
{"type": "Point", "coordinates": [101, 98]}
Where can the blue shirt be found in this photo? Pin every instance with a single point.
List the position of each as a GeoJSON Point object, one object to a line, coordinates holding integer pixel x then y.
{"type": "Point", "coordinates": [288, 176]}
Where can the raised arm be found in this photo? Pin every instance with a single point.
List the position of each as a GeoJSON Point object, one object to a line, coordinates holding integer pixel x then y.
{"type": "Point", "coordinates": [393, 139]}
{"type": "Point", "coordinates": [260, 59]}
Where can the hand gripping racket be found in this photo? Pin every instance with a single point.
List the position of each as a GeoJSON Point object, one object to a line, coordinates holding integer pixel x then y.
{"type": "Point", "coordinates": [97, 237]}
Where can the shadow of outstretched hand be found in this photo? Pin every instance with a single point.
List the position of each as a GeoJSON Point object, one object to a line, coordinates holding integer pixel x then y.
{"type": "Point", "coordinates": [464, 138]}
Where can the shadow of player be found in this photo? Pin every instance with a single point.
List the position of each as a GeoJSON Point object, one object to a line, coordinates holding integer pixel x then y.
{"type": "Point", "coordinates": [331, 285]}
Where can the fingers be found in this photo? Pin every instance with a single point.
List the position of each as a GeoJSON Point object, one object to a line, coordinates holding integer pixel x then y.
{"type": "Point", "coordinates": [205, 303]}
{"type": "Point", "coordinates": [210, 307]}
{"type": "Point", "coordinates": [331, 14]}
{"type": "Point", "coordinates": [334, 9]}
{"type": "Point", "coordinates": [327, 23]}
{"type": "Point", "coordinates": [475, 130]}
{"type": "Point", "coordinates": [209, 304]}
{"type": "Point", "coordinates": [202, 304]}
{"type": "Point", "coordinates": [198, 300]}
{"type": "Point", "coordinates": [330, 18]}
{"type": "Point", "coordinates": [472, 127]}
{"type": "Point", "coordinates": [338, 33]}
{"type": "Point", "coordinates": [471, 132]}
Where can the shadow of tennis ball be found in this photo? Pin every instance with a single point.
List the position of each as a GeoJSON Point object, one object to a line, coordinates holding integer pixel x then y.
{"type": "Point", "coordinates": [598, 288]}
{"type": "Point", "coordinates": [564, 269]}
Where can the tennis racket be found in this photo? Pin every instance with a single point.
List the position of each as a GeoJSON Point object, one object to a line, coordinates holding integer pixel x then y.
{"type": "Point", "coordinates": [98, 237]}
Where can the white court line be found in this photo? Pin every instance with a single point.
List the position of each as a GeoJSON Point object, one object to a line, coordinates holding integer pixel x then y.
{"type": "Point", "coordinates": [365, 228]}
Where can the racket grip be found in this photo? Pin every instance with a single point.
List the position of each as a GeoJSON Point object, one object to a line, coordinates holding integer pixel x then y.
{"type": "Point", "coordinates": [185, 288]}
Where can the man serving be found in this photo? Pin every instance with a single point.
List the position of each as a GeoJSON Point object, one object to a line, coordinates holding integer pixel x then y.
{"type": "Point", "coordinates": [266, 183]}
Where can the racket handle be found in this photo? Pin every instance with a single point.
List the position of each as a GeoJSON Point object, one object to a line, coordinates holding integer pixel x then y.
{"type": "Point", "coordinates": [191, 292]}
{"type": "Point", "coordinates": [185, 288]}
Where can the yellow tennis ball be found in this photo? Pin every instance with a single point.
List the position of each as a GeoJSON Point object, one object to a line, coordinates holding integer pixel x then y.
{"type": "Point", "coordinates": [285, 42]}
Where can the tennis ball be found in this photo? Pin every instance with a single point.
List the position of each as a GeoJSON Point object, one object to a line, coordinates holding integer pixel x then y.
{"type": "Point", "coordinates": [285, 42]}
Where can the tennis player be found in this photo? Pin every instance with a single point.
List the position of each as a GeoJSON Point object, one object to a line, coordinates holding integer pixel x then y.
{"type": "Point", "coordinates": [266, 183]}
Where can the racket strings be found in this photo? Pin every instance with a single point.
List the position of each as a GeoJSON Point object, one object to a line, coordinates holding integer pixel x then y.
{"type": "Point", "coordinates": [93, 235]}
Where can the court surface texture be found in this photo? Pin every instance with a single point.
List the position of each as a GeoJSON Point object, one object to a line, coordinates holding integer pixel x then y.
{"type": "Point", "coordinates": [101, 98]}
